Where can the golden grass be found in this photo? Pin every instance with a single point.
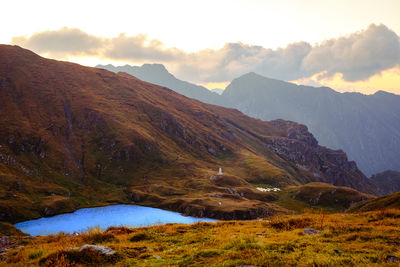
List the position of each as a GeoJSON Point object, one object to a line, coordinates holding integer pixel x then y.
{"type": "Point", "coordinates": [365, 239]}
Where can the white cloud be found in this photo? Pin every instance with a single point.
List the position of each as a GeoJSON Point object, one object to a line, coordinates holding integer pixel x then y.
{"type": "Point", "coordinates": [357, 56]}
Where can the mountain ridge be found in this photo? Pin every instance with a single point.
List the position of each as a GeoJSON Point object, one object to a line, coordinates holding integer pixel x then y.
{"type": "Point", "coordinates": [75, 136]}
{"type": "Point", "coordinates": [158, 74]}
{"type": "Point", "coordinates": [338, 120]}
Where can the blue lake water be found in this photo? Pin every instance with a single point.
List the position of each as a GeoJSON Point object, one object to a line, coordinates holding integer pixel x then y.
{"type": "Point", "coordinates": [104, 217]}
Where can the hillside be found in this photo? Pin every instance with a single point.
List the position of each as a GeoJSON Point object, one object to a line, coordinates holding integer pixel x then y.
{"type": "Point", "coordinates": [324, 196]}
{"type": "Point", "coordinates": [366, 127]}
{"type": "Point", "coordinates": [388, 182]}
{"type": "Point", "coordinates": [74, 137]}
{"type": "Point", "coordinates": [379, 204]}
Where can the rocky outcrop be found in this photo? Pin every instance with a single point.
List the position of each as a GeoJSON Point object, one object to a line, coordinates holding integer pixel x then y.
{"type": "Point", "coordinates": [327, 165]}
{"type": "Point", "coordinates": [196, 208]}
{"type": "Point", "coordinates": [102, 250]}
{"type": "Point", "coordinates": [86, 255]}
{"type": "Point", "coordinates": [53, 205]}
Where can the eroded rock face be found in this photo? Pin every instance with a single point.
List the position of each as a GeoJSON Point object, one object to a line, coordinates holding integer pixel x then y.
{"type": "Point", "coordinates": [327, 165]}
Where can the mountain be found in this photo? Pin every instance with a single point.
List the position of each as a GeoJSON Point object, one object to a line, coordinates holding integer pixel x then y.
{"type": "Point", "coordinates": [388, 182]}
{"type": "Point", "coordinates": [158, 74]}
{"type": "Point", "coordinates": [217, 91]}
{"type": "Point", "coordinates": [74, 136]}
{"type": "Point", "coordinates": [366, 127]}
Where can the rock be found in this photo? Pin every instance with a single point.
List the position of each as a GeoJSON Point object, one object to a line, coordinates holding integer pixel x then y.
{"type": "Point", "coordinates": [231, 191]}
{"type": "Point", "coordinates": [392, 258]}
{"type": "Point", "coordinates": [17, 186]}
{"type": "Point", "coordinates": [5, 245]}
{"type": "Point", "coordinates": [310, 231]}
{"type": "Point", "coordinates": [157, 257]}
{"type": "Point", "coordinates": [212, 151]}
{"type": "Point", "coordinates": [106, 251]}
{"type": "Point", "coordinates": [137, 196]}
{"type": "Point", "coordinates": [48, 212]}
{"type": "Point", "coordinates": [7, 214]}
{"type": "Point", "coordinates": [5, 241]}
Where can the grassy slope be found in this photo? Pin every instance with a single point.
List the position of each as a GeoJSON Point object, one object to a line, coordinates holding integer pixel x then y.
{"type": "Point", "coordinates": [381, 203]}
{"type": "Point", "coordinates": [320, 195]}
{"type": "Point", "coordinates": [364, 239]}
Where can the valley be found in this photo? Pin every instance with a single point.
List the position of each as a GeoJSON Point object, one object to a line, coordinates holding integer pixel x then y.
{"type": "Point", "coordinates": [80, 137]}
{"type": "Point", "coordinates": [76, 137]}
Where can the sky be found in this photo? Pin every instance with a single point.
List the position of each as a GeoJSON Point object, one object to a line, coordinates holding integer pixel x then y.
{"type": "Point", "coordinates": [347, 45]}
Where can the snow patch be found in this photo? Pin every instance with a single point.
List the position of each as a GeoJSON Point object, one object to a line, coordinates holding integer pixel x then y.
{"type": "Point", "coordinates": [268, 189]}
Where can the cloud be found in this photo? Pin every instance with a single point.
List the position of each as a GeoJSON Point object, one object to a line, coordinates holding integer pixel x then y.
{"type": "Point", "coordinates": [140, 48]}
{"type": "Point", "coordinates": [62, 43]}
{"type": "Point", "coordinates": [357, 56]}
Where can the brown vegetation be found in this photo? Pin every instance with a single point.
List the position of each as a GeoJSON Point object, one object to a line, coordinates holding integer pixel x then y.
{"type": "Point", "coordinates": [366, 239]}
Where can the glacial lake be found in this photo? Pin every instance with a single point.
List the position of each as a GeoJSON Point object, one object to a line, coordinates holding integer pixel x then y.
{"type": "Point", "coordinates": [115, 215]}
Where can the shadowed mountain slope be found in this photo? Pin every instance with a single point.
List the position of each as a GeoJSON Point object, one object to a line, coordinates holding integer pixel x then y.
{"type": "Point", "coordinates": [74, 136]}
{"type": "Point", "coordinates": [366, 127]}
{"type": "Point", "coordinates": [388, 182]}
{"type": "Point", "coordinates": [158, 74]}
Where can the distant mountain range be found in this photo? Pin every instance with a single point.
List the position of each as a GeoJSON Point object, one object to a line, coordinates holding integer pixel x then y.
{"type": "Point", "coordinates": [366, 127]}
{"type": "Point", "coordinates": [158, 74]}
{"type": "Point", "coordinates": [217, 91]}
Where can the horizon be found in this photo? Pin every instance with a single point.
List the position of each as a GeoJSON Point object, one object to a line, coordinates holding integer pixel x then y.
{"type": "Point", "coordinates": [360, 52]}
{"type": "Point", "coordinates": [228, 83]}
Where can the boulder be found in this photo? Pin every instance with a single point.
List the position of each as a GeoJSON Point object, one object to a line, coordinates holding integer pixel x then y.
{"type": "Point", "coordinates": [106, 251]}
{"type": "Point", "coordinates": [311, 231]}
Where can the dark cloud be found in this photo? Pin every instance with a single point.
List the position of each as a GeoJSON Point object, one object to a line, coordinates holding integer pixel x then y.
{"type": "Point", "coordinates": [357, 56]}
